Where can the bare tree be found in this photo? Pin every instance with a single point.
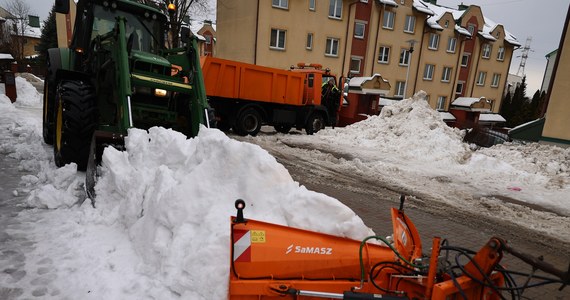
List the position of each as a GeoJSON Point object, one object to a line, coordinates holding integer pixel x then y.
{"type": "Point", "coordinates": [19, 25]}
{"type": "Point", "coordinates": [176, 17]}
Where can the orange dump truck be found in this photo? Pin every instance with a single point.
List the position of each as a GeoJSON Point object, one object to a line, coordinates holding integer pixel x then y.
{"type": "Point", "coordinates": [246, 96]}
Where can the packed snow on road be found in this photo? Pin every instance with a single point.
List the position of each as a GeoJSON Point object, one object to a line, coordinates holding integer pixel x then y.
{"type": "Point", "coordinates": [160, 225]}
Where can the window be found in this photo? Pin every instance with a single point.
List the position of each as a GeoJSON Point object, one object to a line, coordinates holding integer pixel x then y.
{"type": "Point", "coordinates": [281, 3]}
{"type": "Point", "coordinates": [277, 39]}
{"type": "Point", "coordinates": [446, 24]}
{"type": "Point", "coordinates": [441, 103]}
{"type": "Point", "coordinates": [433, 41]}
{"type": "Point", "coordinates": [309, 45]}
{"type": "Point", "coordinates": [496, 80]}
{"type": "Point", "coordinates": [451, 44]}
{"type": "Point", "coordinates": [428, 72]}
{"type": "Point", "coordinates": [388, 21]}
{"type": "Point", "coordinates": [384, 55]}
{"type": "Point", "coordinates": [332, 47]}
{"type": "Point", "coordinates": [471, 28]}
{"type": "Point", "coordinates": [465, 60]}
{"type": "Point", "coordinates": [501, 54]}
{"type": "Point", "coordinates": [459, 88]}
{"type": "Point", "coordinates": [446, 74]}
{"type": "Point", "coordinates": [335, 9]}
{"type": "Point", "coordinates": [486, 52]}
{"type": "Point", "coordinates": [481, 78]}
{"type": "Point", "coordinates": [410, 24]}
{"type": "Point", "coordinates": [312, 5]}
{"type": "Point", "coordinates": [359, 30]}
{"type": "Point", "coordinates": [355, 65]}
{"type": "Point", "coordinates": [400, 86]}
{"type": "Point", "coordinates": [404, 57]}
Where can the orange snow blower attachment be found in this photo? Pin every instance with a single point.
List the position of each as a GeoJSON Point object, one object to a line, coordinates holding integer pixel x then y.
{"type": "Point", "coordinates": [270, 261]}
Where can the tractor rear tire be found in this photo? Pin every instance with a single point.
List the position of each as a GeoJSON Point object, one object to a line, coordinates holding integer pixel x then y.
{"type": "Point", "coordinates": [48, 113]}
{"type": "Point", "coordinates": [248, 122]}
{"type": "Point", "coordinates": [75, 122]}
{"type": "Point", "coordinates": [315, 123]}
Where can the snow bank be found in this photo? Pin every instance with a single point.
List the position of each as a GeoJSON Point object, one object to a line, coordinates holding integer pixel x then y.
{"type": "Point", "coordinates": [28, 95]}
{"type": "Point", "coordinates": [175, 196]}
{"type": "Point", "coordinates": [410, 127]}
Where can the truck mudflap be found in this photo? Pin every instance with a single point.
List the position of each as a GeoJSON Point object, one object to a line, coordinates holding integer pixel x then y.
{"type": "Point", "coordinates": [99, 141]}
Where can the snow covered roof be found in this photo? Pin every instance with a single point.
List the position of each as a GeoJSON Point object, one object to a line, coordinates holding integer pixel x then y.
{"type": "Point", "coordinates": [446, 116]}
{"type": "Point", "coordinates": [485, 32]}
{"type": "Point", "coordinates": [33, 32]}
{"type": "Point", "coordinates": [388, 2]}
{"type": "Point", "coordinates": [465, 101]}
{"type": "Point", "coordinates": [421, 7]}
{"type": "Point", "coordinates": [375, 85]}
{"type": "Point", "coordinates": [462, 30]}
{"type": "Point", "coordinates": [472, 104]}
{"type": "Point", "coordinates": [6, 56]}
{"type": "Point", "coordinates": [196, 26]}
{"type": "Point", "coordinates": [484, 117]}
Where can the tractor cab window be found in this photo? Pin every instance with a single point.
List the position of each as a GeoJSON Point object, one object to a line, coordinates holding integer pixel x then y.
{"type": "Point", "coordinates": [144, 32]}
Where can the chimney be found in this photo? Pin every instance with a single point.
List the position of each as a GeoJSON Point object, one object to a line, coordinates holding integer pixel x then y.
{"type": "Point", "coordinates": [463, 6]}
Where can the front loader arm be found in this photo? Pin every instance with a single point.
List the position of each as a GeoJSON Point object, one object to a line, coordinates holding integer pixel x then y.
{"type": "Point", "coordinates": [199, 102]}
{"type": "Point", "coordinates": [123, 76]}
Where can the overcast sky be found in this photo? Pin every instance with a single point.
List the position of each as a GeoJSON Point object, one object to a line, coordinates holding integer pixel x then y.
{"type": "Point", "coordinates": [541, 20]}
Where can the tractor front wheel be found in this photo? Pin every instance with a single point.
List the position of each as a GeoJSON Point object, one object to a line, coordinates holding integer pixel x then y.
{"type": "Point", "coordinates": [75, 122]}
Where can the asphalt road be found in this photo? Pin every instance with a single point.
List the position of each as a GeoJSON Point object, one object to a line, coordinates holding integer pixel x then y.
{"type": "Point", "coordinates": [372, 199]}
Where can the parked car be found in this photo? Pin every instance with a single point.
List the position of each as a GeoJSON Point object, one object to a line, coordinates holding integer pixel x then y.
{"type": "Point", "coordinates": [486, 137]}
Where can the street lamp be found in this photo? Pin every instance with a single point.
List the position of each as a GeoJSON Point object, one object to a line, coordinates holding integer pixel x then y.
{"type": "Point", "coordinates": [411, 50]}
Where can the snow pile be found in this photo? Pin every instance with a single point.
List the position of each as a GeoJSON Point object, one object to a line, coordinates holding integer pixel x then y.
{"type": "Point", "coordinates": [175, 196]}
{"type": "Point", "coordinates": [533, 157]}
{"type": "Point", "coordinates": [409, 127]}
{"type": "Point", "coordinates": [27, 94]}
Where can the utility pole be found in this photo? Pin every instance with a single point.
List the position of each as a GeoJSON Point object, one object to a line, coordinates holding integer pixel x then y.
{"type": "Point", "coordinates": [524, 56]}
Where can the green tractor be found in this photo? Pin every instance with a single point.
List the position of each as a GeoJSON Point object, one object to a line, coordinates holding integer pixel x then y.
{"type": "Point", "coordinates": [117, 74]}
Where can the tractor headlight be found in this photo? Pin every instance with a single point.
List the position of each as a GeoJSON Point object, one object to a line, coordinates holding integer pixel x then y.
{"type": "Point", "coordinates": [160, 93]}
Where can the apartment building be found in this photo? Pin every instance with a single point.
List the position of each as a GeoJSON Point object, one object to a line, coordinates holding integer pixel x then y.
{"type": "Point", "coordinates": [415, 45]}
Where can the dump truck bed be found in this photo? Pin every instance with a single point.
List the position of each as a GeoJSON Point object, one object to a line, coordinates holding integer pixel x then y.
{"type": "Point", "coordinates": [237, 80]}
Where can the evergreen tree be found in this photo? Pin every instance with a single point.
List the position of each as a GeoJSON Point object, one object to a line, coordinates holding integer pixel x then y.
{"type": "Point", "coordinates": [507, 107]}
{"type": "Point", "coordinates": [520, 109]}
{"type": "Point", "coordinates": [49, 36]}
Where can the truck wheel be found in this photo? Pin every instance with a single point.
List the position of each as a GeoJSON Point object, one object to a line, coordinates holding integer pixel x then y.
{"type": "Point", "coordinates": [315, 123]}
{"type": "Point", "coordinates": [248, 122]}
{"type": "Point", "coordinates": [283, 128]}
{"type": "Point", "coordinates": [75, 122]}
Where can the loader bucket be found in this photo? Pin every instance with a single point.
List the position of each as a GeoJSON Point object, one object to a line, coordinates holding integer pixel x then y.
{"type": "Point", "coordinates": [99, 141]}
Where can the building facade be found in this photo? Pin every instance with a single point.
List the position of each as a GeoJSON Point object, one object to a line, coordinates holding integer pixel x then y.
{"type": "Point", "coordinates": [415, 45]}
{"type": "Point", "coordinates": [556, 128]}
